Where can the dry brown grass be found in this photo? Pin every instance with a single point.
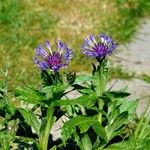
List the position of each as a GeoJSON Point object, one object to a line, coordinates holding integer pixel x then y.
{"type": "Point", "coordinates": [68, 20]}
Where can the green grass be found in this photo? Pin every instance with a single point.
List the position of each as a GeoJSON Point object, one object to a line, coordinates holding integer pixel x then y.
{"type": "Point", "coordinates": [144, 77]}
{"type": "Point", "coordinates": [118, 73]}
{"type": "Point", "coordinates": [24, 24]}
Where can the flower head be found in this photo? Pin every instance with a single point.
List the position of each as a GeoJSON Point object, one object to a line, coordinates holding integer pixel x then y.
{"type": "Point", "coordinates": [98, 49]}
{"type": "Point", "coordinates": [53, 60]}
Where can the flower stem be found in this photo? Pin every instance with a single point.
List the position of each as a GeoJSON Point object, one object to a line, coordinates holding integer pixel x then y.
{"type": "Point", "coordinates": [46, 128]}
{"type": "Point", "coordinates": [101, 87]}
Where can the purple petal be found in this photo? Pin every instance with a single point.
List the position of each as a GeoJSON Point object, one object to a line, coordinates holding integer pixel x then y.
{"type": "Point", "coordinates": [41, 64]}
{"type": "Point", "coordinates": [61, 46]}
{"type": "Point", "coordinates": [41, 52]}
{"type": "Point", "coordinates": [88, 41]}
{"type": "Point", "coordinates": [47, 44]}
{"type": "Point", "coordinates": [92, 38]}
{"type": "Point", "coordinates": [68, 55]}
{"type": "Point", "coordinates": [105, 39]}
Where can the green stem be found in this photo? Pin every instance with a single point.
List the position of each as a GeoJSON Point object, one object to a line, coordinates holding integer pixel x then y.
{"type": "Point", "coordinates": [46, 128]}
{"type": "Point", "coordinates": [100, 105]}
{"type": "Point", "coordinates": [101, 88]}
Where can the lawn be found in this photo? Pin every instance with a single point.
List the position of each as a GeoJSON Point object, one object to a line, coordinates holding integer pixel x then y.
{"type": "Point", "coordinates": [24, 24]}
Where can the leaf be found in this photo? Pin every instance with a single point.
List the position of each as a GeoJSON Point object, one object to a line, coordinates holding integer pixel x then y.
{"type": "Point", "coordinates": [130, 107]}
{"type": "Point", "coordinates": [59, 88]}
{"type": "Point", "coordinates": [118, 122]}
{"type": "Point", "coordinates": [116, 94]}
{"type": "Point", "coordinates": [1, 96]}
{"type": "Point", "coordinates": [86, 142]}
{"type": "Point", "coordinates": [85, 91]}
{"type": "Point", "coordinates": [130, 144]}
{"type": "Point", "coordinates": [54, 91]}
{"type": "Point", "coordinates": [94, 69]}
{"type": "Point", "coordinates": [30, 119]}
{"type": "Point", "coordinates": [125, 145]}
{"type": "Point", "coordinates": [2, 104]}
{"type": "Point", "coordinates": [10, 109]}
{"type": "Point", "coordinates": [48, 90]}
{"type": "Point", "coordinates": [29, 95]}
{"type": "Point", "coordinates": [85, 100]}
{"type": "Point", "coordinates": [83, 78]}
{"type": "Point", "coordinates": [47, 77]}
{"type": "Point", "coordinates": [99, 130]}
{"type": "Point", "coordinates": [54, 148]}
{"type": "Point", "coordinates": [82, 122]}
{"type": "Point", "coordinates": [5, 139]}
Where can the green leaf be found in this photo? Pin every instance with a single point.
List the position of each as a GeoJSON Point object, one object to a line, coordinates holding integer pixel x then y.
{"type": "Point", "coordinates": [86, 142]}
{"type": "Point", "coordinates": [125, 145]}
{"type": "Point", "coordinates": [85, 100]}
{"type": "Point", "coordinates": [115, 124]}
{"type": "Point", "coordinates": [53, 148]}
{"type": "Point", "coordinates": [26, 140]}
{"type": "Point", "coordinates": [2, 104]}
{"type": "Point", "coordinates": [5, 139]}
{"type": "Point", "coordinates": [59, 88]}
{"type": "Point", "coordinates": [100, 131]}
{"type": "Point", "coordinates": [30, 119]}
{"type": "Point", "coordinates": [54, 91]}
{"type": "Point", "coordinates": [130, 144]}
{"type": "Point", "coordinates": [83, 78]}
{"type": "Point", "coordinates": [82, 122]}
{"type": "Point", "coordinates": [10, 109]}
{"type": "Point", "coordinates": [116, 94]}
{"type": "Point", "coordinates": [29, 95]}
{"type": "Point", "coordinates": [130, 107]}
{"type": "Point", "coordinates": [48, 90]}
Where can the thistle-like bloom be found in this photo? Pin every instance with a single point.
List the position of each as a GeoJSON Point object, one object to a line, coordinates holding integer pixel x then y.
{"type": "Point", "coordinates": [98, 48]}
{"type": "Point", "coordinates": [53, 60]}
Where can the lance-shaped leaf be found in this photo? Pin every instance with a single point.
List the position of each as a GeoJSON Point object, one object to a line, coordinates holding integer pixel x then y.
{"type": "Point", "coordinates": [130, 107]}
{"type": "Point", "coordinates": [54, 91]}
{"type": "Point", "coordinates": [85, 100]}
{"type": "Point", "coordinates": [29, 95]}
{"type": "Point", "coordinates": [115, 124]}
{"type": "Point", "coordinates": [116, 94]}
{"type": "Point", "coordinates": [83, 78]}
{"type": "Point", "coordinates": [30, 119]}
{"type": "Point", "coordinates": [84, 123]}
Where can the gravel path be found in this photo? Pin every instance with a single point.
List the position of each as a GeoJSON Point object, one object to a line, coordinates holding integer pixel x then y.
{"type": "Point", "coordinates": [135, 56]}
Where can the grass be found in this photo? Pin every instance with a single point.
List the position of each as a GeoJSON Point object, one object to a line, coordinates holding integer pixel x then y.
{"type": "Point", "coordinates": [118, 73]}
{"type": "Point", "coordinates": [144, 77]}
{"type": "Point", "coordinates": [24, 24]}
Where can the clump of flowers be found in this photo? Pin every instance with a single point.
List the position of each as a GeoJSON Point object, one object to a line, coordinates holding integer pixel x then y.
{"type": "Point", "coordinates": [97, 119]}
{"type": "Point", "coordinates": [98, 47]}
{"type": "Point", "coordinates": [54, 59]}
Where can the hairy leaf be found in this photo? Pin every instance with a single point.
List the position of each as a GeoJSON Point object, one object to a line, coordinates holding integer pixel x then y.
{"type": "Point", "coordinates": [116, 94]}
{"type": "Point", "coordinates": [30, 119]}
{"type": "Point", "coordinates": [83, 123]}
{"type": "Point", "coordinates": [85, 100]}
{"type": "Point", "coordinates": [115, 124]}
{"type": "Point", "coordinates": [83, 78]}
{"type": "Point", "coordinates": [29, 95]}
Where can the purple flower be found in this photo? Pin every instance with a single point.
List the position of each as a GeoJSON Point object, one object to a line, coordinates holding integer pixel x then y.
{"type": "Point", "coordinates": [53, 60]}
{"type": "Point", "coordinates": [98, 48]}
